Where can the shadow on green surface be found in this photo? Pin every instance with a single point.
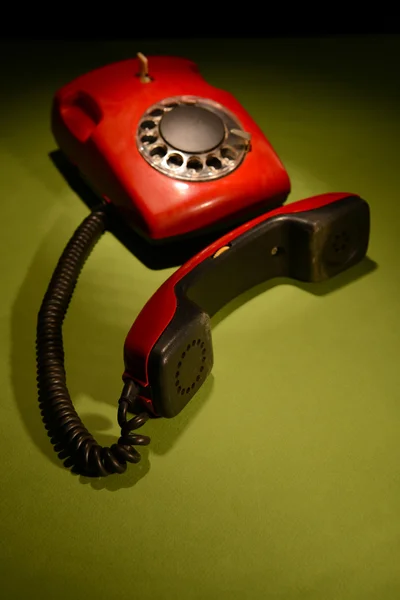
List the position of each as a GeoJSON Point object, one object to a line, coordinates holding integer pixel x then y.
{"type": "Point", "coordinates": [113, 483]}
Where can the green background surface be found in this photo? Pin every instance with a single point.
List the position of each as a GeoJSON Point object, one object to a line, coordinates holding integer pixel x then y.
{"type": "Point", "coordinates": [281, 478]}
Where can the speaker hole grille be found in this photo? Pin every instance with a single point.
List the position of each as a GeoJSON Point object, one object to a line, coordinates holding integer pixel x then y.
{"type": "Point", "coordinates": [187, 381]}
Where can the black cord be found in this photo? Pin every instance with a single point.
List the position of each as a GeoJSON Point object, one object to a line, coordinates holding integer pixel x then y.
{"type": "Point", "coordinates": [71, 440]}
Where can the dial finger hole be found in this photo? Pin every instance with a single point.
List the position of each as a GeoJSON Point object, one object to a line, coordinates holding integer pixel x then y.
{"type": "Point", "coordinates": [148, 139]}
{"type": "Point", "coordinates": [228, 153]}
{"type": "Point", "coordinates": [175, 161]}
{"type": "Point", "coordinates": [213, 162]}
{"type": "Point", "coordinates": [158, 151]}
{"type": "Point", "coordinates": [147, 124]}
{"type": "Point", "coordinates": [195, 164]}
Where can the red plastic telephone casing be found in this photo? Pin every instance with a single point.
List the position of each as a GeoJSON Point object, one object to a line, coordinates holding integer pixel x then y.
{"type": "Point", "coordinates": [94, 121]}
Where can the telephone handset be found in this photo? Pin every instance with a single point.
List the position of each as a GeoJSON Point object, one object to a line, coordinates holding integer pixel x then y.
{"type": "Point", "coordinates": [168, 351]}
{"type": "Point", "coordinates": [174, 155]}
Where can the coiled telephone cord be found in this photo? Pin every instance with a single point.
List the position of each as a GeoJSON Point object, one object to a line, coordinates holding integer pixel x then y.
{"type": "Point", "coordinates": [70, 438]}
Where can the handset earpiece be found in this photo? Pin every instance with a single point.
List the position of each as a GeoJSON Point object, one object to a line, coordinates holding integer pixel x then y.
{"type": "Point", "coordinates": [168, 351]}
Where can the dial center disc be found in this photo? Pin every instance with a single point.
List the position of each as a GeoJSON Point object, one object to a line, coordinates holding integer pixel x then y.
{"type": "Point", "coordinates": [192, 129]}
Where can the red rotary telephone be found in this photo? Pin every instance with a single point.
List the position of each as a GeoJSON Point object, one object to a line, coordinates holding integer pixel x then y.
{"type": "Point", "coordinates": [124, 126]}
{"type": "Point", "coordinates": [175, 155]}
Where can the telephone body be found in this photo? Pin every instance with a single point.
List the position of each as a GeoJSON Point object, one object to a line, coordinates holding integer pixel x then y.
{"type": "Point", "coordinates": [175, 155]}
